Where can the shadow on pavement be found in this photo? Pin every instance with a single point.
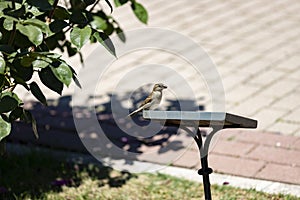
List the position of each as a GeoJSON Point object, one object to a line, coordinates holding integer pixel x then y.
{"type": "Point", "coordinates": [57, 129]}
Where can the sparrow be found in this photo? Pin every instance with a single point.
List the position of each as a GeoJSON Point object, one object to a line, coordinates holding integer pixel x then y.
{"type": "Point", "coordinates": [152, 101]}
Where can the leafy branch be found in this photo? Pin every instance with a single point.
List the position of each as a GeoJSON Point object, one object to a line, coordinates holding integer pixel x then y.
{"type": "Point", "coordinates": [31, 30]}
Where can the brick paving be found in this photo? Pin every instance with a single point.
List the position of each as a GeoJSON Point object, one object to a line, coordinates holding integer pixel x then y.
{"type": "Point", "coordinates": [255, 47]}
{"type": "Point", "coordinates": [251, 154]}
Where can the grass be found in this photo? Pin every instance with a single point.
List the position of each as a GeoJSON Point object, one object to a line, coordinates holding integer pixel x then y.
{"type": "Point", "coordinates": [41, 176]}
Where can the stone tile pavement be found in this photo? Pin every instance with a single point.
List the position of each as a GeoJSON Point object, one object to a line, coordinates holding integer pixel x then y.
{"type": "Point", "coordinates": [254, 45]}
{"type": "Point", "coordinates": [246, 153]}
{"type": "Point", "coordinates": [255, 48]}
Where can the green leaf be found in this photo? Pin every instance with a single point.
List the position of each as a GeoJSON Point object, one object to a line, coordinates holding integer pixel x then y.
{"type": "Point", "coordinates": [89, 2]}
{"type": "Point", "coordinates": [77, 17]}
{"type": "Point", "coordinates": [15, 114]}
{"type": "Point", "coordinates": [120, 2]}
{"type": "Point", "coordinates": [29, 118]}
{"type": "Point", "coordinates": [42, 5]}
{"type": "Point", "coordinates": [110, 29]}
{"type": "Point", "coordinates": [63, 73]}
{"type": "Point", "coordinates": [4, 4]}
{"type": "Point", "coordinates": [36, 22]}
{"type": "Point", "coordinates": [20, 80]}
{"type": "Point", "coordinates": [33, 33]}
{"type": "Point", "coordinates": [18, 12]}
{"type": "Point", "coordinates": [52, 42]}
{"type": "Point", "coordinates": [7, 104]}
{"type": "Point", "coordinates": [99, 23]}
{"type": "Point", "coordinates": [27, 61]}
{"type": "Point", "coordinates": [49, 79]}
{"type": "Point", "coordinates": [8, 24]}
{"type": "Point", "coordinates": [40, 63]}
{"type": "Point", "coordinates": [4, 117]}
{"type": "Point", "coordinates": [75, 79]}
{"type": "Point", "coordinates": [71, 50]}
{"type": "Point", "coordinates": [21, 71]}
{"type": "Point", "coordinates": [140, 12]}
{"type": "Point", "coordinates": [15, 96]}
{"type": "Point", "coordinates": [61, 13]}
{"type": "Point", "coordinates": [6, 49]}
{"type": "Point", "coordinates": [58, 25]}
{"type": "Point", "coordinates": [78, 4]}
{"type": "Point", "coordinates": [37, 92]}
{"type": "Point", "coordinates": [40, 24]}
{"type": "Point", "coordinates": [34, 127]}
{"type": "Point", "coordinates": [35, 11]}
{"type": "Point", "coordinates": [5, 128]}
{"type": "Point", "coordinates": [41, 59]}
{"type": "Point", "coordinates": [121, 34]}
{"type": "Point", "coordinates": [2, 65]}
{"type": "Point", "coordinates": [105, 41]}
{"type": "Point", "coordinates": [80, 36]}
{"type": "Point", "coordinates": [44, 54]}
{"type": "Point", "coordinates": [12, 95]}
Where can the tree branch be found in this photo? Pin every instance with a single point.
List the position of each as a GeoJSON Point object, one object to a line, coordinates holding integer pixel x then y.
{"type": "Point", "coordinates": [52, 11]}
{"type": "Point", "coordinates": [92, 8]}
{"type": "Point", "coordinates": [12, 36]}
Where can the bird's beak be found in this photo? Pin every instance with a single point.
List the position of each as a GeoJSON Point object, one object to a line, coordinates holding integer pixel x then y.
{"type": "Point", "coordinates": [164, 86]}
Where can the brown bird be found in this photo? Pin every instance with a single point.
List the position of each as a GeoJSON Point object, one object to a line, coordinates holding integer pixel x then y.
{"type": "Point", "coordinates": [152, 101]}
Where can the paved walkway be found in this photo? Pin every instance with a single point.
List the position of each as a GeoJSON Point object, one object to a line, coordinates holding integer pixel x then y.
{"type": "Point", "coordinates": [252, 154]}
{"type": "Point", "coordinates": [254, 44]}
{"type": "Point", "coordinates": [255, 47]}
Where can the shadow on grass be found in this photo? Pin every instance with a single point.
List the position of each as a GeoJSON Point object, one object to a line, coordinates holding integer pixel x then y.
{"type": "Point", "coordinates": [31, 175]}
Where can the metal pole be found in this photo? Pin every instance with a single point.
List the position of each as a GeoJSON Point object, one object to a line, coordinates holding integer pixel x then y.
{"type": "Point", "coordinates": [205, 171]}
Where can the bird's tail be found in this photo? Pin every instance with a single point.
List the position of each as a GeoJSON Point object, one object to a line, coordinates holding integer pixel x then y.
{"type": "Point", "coordinates": [135, 112]}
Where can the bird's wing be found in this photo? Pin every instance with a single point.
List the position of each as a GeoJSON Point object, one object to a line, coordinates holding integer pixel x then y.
{"type": "Point", "coordinates": [136, 111]}
{"type": "Point", "coordinates": [143, 105]}
{"type": "Point", "coordinates": [147, 100]}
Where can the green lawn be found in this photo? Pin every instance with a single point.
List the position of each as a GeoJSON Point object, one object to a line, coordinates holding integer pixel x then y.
{"type": "Point", "coordinates": [41, 176]}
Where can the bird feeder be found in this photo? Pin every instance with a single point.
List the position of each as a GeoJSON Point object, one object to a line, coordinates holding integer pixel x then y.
{"type": "Point", "coordinates": [215, 120]}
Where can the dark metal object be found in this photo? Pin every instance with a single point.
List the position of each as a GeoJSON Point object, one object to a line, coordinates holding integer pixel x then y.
{"type": "Point", "coordinates": [205, 171]}
{"type": "Point", "coordinates": [217, 121]}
